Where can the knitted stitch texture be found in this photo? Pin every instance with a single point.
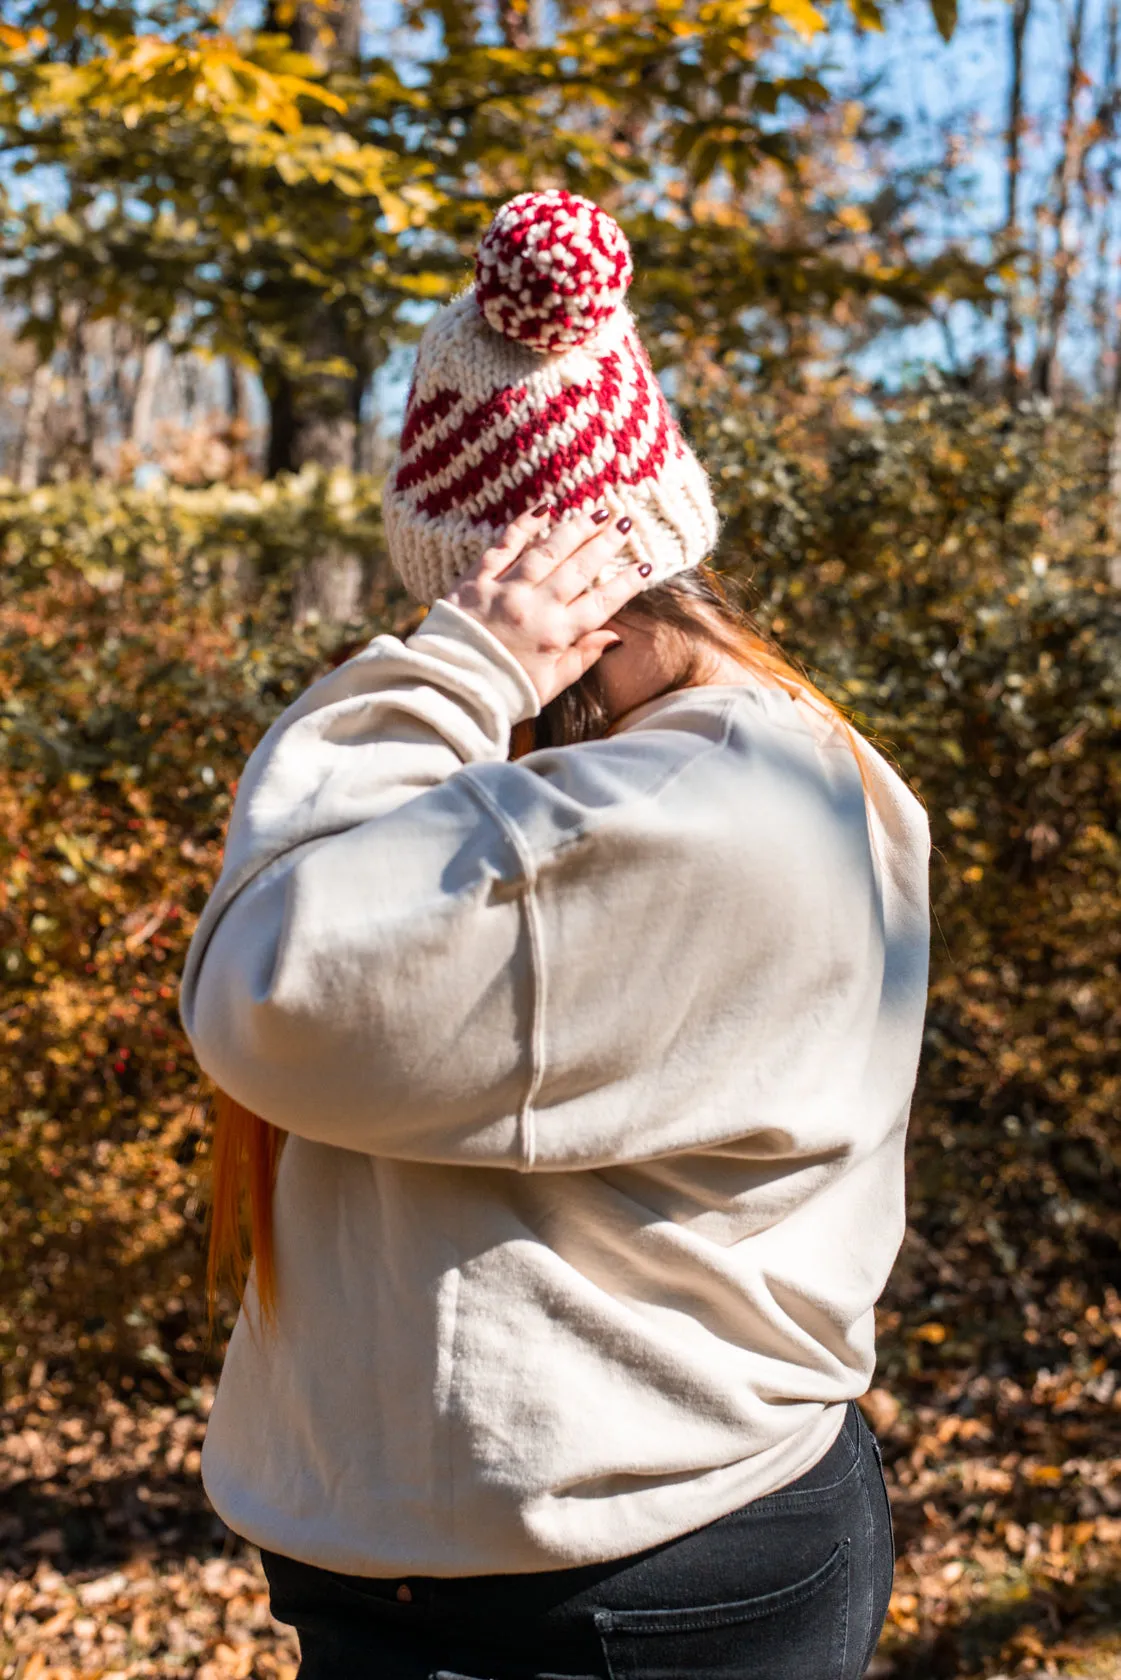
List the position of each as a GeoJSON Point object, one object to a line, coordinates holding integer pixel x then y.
{"type": "Point", "coordinates": [533, 386]}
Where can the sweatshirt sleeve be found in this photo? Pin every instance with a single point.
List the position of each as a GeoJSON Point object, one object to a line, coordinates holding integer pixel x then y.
{"type": "Point", "coordinates": [588, 956]}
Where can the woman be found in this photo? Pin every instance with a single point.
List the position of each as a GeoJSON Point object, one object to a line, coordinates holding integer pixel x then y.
{"type": "Point", "coordinates": [576, 947]}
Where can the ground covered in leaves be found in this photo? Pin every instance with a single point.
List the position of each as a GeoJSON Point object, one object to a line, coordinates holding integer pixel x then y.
{"type": "Point", "coordinates": [113, 1562]}
{"type": "Point", "coordinates": [947, 576]}
{"type": "Point", "coordinates": [1005, 1478]}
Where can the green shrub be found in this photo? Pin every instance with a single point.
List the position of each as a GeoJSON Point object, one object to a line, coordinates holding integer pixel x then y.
{"type": "Point", "coordinates": [145, 643]}
{"type": "Point", "coordinates": [941, 569]}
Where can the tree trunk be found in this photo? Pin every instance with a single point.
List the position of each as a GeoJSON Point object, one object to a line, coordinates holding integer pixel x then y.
{"type": "Point", "coordinates": [280, 452]}
{"type": "Point", "coordinates": [317, 420]}
{"type": "Point", "coordinates": [235, 391]}
{"type": "Point", "coordinates": [1103, 267]}
{"type": "Point", "coordinates": [144, 399]}
{"type": "Point", "coordinates": [1021, 11]}
{"type": "Point", "coordinates": [84, 396]}
{"type": "Point", "coordinates": [34, 427]}
{"type": "Point", "coordinates": [1046, 370]}
{"type": "Point", "coordinates": [323, 437]}
{"type": "Point", "coordinates": [330, 590]}
{"type": "Point", "coordinates": [521, 23]}
{"type": "Point", "coordinates": [310, 419]}
{"type": "Point", "coordinates": [119, 399]}
{"type": "Point", "coordinates": [329, 34]}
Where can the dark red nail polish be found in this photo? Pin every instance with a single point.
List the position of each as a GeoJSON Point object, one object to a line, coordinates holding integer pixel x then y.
{"type": "Point", "coordinates": [624, 524]}
{"type": "Point", "coordinates": [600, 515]}
{"type": "Point", "coordinates": [539, 513]}
{"type": "Point", "coordinates": [645, 569]}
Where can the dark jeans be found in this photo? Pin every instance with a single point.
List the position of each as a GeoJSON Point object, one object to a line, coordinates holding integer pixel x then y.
{"type": "Point", "coordinates": [793, 1586]}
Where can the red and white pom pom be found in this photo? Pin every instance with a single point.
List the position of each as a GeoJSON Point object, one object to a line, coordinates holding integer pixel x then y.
{"type": "Point", "coordinates": [550, 269]}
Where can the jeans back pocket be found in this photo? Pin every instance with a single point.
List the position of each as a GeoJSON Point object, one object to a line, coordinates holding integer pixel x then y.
{"type": "Point", "coordinates": [797, 1633]}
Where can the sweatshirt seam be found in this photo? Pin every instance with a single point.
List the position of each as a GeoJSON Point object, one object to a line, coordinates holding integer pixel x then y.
{"type": "Point", "coordinates": [527, 1139]}
{"type": "Point", "coordinates": [538, 1004]}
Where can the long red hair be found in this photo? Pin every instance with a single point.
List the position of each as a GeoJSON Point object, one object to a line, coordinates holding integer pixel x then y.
{"type": "Point", "coordinates": [244, 1157]}
{"type": "Point", "coordinates": [245, 1149]}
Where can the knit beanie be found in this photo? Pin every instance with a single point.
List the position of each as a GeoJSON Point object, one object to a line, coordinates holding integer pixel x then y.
{"type": "Point", "coordinates": [532, 386]}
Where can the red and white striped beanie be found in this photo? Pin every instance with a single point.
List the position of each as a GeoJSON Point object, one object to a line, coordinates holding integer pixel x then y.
{"type": "Point", "coordinates": [533, 386]}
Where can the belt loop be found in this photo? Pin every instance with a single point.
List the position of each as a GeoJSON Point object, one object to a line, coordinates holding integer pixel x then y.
{"type": "Point", "coordinates": [857, 1419]}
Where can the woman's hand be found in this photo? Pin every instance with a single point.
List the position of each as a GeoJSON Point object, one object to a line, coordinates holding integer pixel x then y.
{"type": "Point", "coordinates": [536, 593]}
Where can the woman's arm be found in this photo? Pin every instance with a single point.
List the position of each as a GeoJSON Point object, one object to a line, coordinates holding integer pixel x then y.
{"type": "Point", "coordinates": [348, 940]}
{"type": "Point", "coordinates": [634, 947]}
{"type": "Point", "coordinates": [351, 942]}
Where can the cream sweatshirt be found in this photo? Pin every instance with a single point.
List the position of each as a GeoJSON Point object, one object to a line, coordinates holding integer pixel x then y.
{"type": "Point", "coordinates": [596, 1068]}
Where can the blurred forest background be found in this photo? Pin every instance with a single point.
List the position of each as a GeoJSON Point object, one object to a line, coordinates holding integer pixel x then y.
{"type": "Point", "coordinates": [878, 254]}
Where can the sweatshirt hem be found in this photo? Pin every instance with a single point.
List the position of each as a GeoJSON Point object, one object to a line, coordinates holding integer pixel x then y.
{"type": "Point", "coordinates": [659, 1515]}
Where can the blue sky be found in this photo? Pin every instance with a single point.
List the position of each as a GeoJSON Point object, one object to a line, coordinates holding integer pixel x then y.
{"type": "Point", "coordinates": [963, 87]}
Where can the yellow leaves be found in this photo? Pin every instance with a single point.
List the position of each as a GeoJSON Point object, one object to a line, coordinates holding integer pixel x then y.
{"type": "Point", "coordinates": [21, 40]}
{"type": "Point", "coordinates": [945, 16]}
{"type": "Point", "coordinates": [931, 1332]}
{"type": "Point", "coordinates": [426, 285]}
{"type": "Point", "coordinates": [233, 1662]}
{"type": "Point", "coordinates": [256, 98]}
{"type": "Point", "coordinates": [978, 1478]}
{"type": "Point", "coordinates": [728, 19]}
{"type": "Point", "coordinates": [854, 218]}
{"type": "Point", "coordinates": [328, 157]}
{"type": "Point", "coordinates": [867, 14]}
{"type": "Point", "coordinates": [725, 14]}
{"type": "Point", "coordinates": [148, 76]}
{"type": "Point", "coordinates": [1042, 1475]}
{"type": "Point", "coordinates": [803, 18]}
{"type": "Point", "coordinates": [740, 15]}
{"type": "Point", "coordinates": [881, 1408]}
{"type": "Point", "coordinates": [902, 1611]}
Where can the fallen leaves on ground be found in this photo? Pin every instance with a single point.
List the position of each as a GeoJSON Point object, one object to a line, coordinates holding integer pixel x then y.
{"type": "Point", "coordinates": [111, 1562]}
{"type": "Point", "coordinates": [1006, 1501]}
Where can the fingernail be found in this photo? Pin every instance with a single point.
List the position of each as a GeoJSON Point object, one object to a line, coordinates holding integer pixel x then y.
{"type": "Point", "coordinates": [539, 513]}
{"type": "Point", "coordinates": [600, 515]}
{"type": "Point", "coordinates": [624, 524]}
{"type": "Point", "coordinates": [645, 569]}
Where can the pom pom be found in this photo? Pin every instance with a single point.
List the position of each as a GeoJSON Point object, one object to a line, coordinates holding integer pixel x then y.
{"type": "Point", "coordinates": [550, 269]}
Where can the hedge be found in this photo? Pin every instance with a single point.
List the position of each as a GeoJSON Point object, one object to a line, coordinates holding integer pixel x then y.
{"type": "Point", "coordinates": [942, 568]}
